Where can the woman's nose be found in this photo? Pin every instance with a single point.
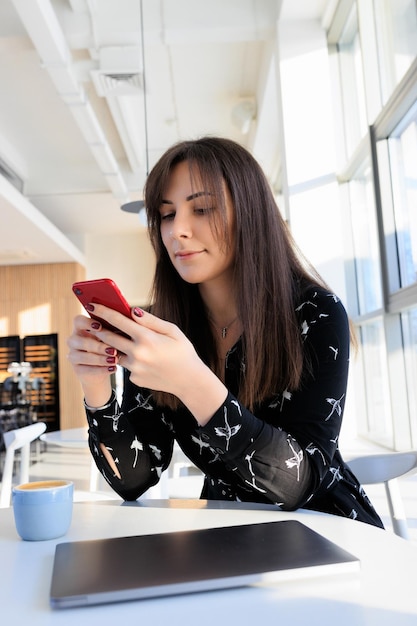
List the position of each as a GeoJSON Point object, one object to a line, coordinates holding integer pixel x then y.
{"type": "Point", "coordinates": [180, 227]}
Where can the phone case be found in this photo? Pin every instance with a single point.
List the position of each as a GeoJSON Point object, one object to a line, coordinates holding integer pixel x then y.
{"type": "Point", "coordinates": [102, 291]}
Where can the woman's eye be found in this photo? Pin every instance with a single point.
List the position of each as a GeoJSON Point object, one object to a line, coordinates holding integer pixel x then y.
{"type": "Point", "coordinates": [203, 210]}
{"type": "Point", "coordinates": [167, 216]}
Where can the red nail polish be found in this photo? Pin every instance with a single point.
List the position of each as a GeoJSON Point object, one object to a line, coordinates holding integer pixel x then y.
{"type": "Point", "coordinates": [95, 325]}
{"type": "Point", "coordinates": [112, 368]}
{"type": "Point", "coordinates": [111, 359]}
{"type": "Point", "coordinates": [89, 307]}
{"type": "Point", "coordinates": [138, 312]}
{"type": "Point", "coordinates": [111, 351]}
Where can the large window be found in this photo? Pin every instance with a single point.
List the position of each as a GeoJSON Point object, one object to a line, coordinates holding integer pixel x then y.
{"type": "Point", "coordinates": [378, 40]}
{"type": "Point", "coordinates": [377, 398]}
{"type": "Point", "coordinates": [409, 327]}
{"type": "Point", "coordinates": [396, 28]}
{"type": "Point", "coordinates": [352, 83]}
{"type": "Point", "coordinates": [403, 160]}
{"type": "Point", "coordinates": [365, 241]}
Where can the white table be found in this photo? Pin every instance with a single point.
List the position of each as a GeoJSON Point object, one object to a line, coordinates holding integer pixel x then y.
{"type": "Point", "coordinates": [383, 593]}
{"type": "Point", "coordinates": [78, 438]}
{"type": "Point", "coordinates": [68, 437]}
{"type": "Point", "coordinates": [73, 438]}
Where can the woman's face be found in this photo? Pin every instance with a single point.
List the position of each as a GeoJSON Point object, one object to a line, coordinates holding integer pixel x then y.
{"type": "Point", "coordinates": [188, 232]}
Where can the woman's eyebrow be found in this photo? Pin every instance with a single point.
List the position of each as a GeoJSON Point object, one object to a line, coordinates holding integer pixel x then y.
{"type": "Point", "coordinates": [191, 197]}
{"type": "Point", "coordinates": [198, 194]}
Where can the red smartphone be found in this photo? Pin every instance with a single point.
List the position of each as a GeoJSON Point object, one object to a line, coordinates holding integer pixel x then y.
{"type": "Point", "coordinates": [102, 291]}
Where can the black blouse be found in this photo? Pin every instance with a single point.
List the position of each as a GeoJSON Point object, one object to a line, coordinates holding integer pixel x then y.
{"type": "Point", "coordinates": [285, 452]}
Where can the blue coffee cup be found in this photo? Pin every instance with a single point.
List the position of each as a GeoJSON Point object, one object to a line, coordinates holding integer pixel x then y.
{"type": "Point", "coordinates": [43, 509]}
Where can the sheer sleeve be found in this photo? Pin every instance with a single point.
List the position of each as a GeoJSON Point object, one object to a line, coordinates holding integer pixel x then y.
{"type": "Point", "coordinates": [136, 438]}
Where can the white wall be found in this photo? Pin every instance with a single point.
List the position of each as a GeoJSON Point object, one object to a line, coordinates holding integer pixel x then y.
{"type": "Point", "coordinates": [128, 259]}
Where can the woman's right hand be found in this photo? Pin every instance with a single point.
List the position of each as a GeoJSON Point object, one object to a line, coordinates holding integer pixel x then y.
{"type": "Point", "coordinates": [92, 360]}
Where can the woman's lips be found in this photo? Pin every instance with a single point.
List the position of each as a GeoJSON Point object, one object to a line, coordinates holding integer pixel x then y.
{"type": "Point", "coordinates": [183, 255]}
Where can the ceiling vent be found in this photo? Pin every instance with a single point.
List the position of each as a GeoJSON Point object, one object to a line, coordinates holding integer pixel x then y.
{"type": "Point", "coordinates": [109, 84]}
{"type": "Point", "coordinates": [119, 78]}
{"type": "Point", "coordinates": [119, 71]}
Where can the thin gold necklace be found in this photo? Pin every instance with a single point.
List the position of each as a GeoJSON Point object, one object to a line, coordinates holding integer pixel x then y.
{"type": "Point", "coordinates": [223, 329]}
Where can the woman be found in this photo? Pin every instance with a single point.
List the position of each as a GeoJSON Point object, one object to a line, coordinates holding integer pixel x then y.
{"type": "Point", "coordinates": [242, 357]}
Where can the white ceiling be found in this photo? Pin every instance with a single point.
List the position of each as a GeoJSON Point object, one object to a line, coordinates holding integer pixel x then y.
{"type": "Point", "coordinates": [80, 154]}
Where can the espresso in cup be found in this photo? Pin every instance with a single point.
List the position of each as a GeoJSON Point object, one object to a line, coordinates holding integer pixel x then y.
{"type": "Point", "coordinates": [43, 509]}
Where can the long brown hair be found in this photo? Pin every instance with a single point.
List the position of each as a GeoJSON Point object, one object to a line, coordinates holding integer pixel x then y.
{"type": "Point", "coordinates": [269, 274]}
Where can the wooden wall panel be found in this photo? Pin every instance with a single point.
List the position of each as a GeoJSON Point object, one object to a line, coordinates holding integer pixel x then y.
{"type": "Point", "coordinates": [37, 299]}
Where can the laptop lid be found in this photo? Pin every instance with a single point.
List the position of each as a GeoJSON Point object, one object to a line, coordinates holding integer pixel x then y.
{"type": "Point", "coordinates": [148, 566]}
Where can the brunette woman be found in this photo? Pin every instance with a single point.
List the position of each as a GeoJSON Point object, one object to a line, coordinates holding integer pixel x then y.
{"type": "Point", "coordinates": [242, 356]}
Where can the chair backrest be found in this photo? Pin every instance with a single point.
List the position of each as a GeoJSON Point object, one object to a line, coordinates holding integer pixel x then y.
{"type": "Point", "coordinates": [15, 439]}
{"type": "Point", "coordinates": [385, 469]}
{"type": "Point", "coordinates": [20, 438]}
{"type": "Point", "coordinates": [379, 468]}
